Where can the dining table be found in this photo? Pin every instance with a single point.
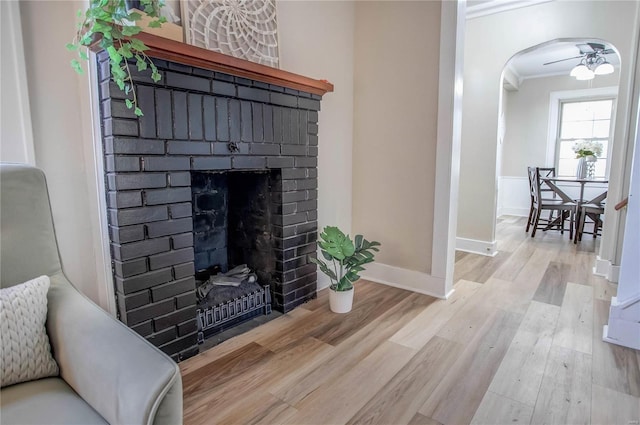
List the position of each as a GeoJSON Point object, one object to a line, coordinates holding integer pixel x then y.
{"type": "Point", "coordinates": [553, 182]}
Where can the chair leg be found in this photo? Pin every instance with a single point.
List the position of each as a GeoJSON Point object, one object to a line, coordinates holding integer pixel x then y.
{"type": "Point", "coordinates": [580, 227]}
{"type": "Point", "coordinates": [529, 219]}
{"type": "Point", "coordinates": [571, 218]}
{"type": "Point", "coordinates": [535, 222]}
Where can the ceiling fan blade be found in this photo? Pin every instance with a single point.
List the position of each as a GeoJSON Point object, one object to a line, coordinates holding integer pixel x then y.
{"type": "Point", "coordinates": [562, 60]}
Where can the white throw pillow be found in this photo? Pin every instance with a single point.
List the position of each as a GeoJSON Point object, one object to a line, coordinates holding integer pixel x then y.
{"type": "Point", "coordinates": [25, 353]}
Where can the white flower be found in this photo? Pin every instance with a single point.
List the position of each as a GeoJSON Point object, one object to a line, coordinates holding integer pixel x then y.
{"type": "Point", "coordinates": [584, 148]}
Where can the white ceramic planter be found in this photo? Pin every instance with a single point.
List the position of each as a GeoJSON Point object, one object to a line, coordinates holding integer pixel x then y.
{"type": "Point", "coordinates": [341, 301]}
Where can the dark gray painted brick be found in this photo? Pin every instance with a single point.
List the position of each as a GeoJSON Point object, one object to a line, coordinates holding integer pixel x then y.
{"type": "Point", "coordinates": [223, 89]}
{"type": "Point", "coordinates": [280, 162]}
{"type": "Point", "coordinates": [303, 118]}
{"type": "Point", "coordinates": [309, 104]}
{"type": "Point", "coordinates": [182, 241]}
{"type": "Point", "coordinates": [149, 311]}
{"type": "Point", "coordinates": [312, 194]}
{"type": "Point", "coordinates": [291, 91]}
{"type": "Point", "coordinates": [170, 227]}
{"type": "Point", "coordinates": [286, 125]}
{"type": "Point", "coordinates": [258, 133]}
{"type": "Point", "coordinates": [246, 132]}
{"type": "Point", "coordinates": [305, 94]}
{"type": "Point", "coordinates": [292, 218]}
{"type": "Point", "coordinates": [129, 251]}
{"type": "Point", "coordinates": [288, 185]}
{"type": "Point", "coordinates": [130, 268]}
{"type": "Point", "coordinates": [307, 184]}
{"type": "Point", "coordinates": [295, 150]}
{"type": "Point", "coordinates": [195, 117]}
{"type": "Point", "coordinates": [188, 82]}
{"type": "Point", "coordinates": [211, 163]}
{"type": "Point", "coordinates": [221, 76]}
{"type": "Point", "coordinates": [144, 328]}
{"type": "Point", "coordinates": [222, 119]}
{"type": "Point", "coordinates": [126, 234]}
{"type": "Point", "coordinates": [120, 127]}
{"type": "Point", "coordinates": [312, 129]}
{"type": "Point", "coordinates": [179, 179]}
{"type": "Point", "coordinates": [312, 215]}
{"type": "Point", "coordinates": [184, 270]}
{"type": "Point", "coordinates": [129, 302]}
{"type": "Point", "coordinates": [251, 93]}
{"type": "Point", "coordinates": [163, 114]}
{"type": "Point", "coordinates": [180, 210]}
{"type": "Point", "coordinates": [308, 205]}
{"type": "Point", "coordinates": [187, 327]}
{"type": "Point", "coordinates": [136, 181]}
{"type": "Point", "coordinates": [244, 81]}
{"type": "Point", "coordinates": [312, 172]}
{"type": "Point", "coordinates": [294, 173]}
{"type": "Point", "coordinates": [124, 199]}
{"type": "Point", "coordinates": [119, 145]}
{"type": "Point", "coordinates": [313, 116]}
{"type": "Point", "coordinates": [122, 163]}
{"type": "Point", "coordinates": [316, 97]}
{"type": "Point", "coordinates": [295, 128]}
{"type": "Point", "coordinates": [171, 258]}
{"type": "Point", "coordinates": [180, 344]}
{"type": "Point", "coordinates": [284, 100]}
{"type": "Point", "coordinates": [138, 215]}
{"type": "Point", "coordinates": [110, 89]}
{"type": "Point", "coordinates": [143, 76]}
{"type": "Point", "coordinates": [312, 151]}
{"type": "Point", "coordinates": [203, 73]}
{"type": "Point", "coordinates": [277, 125]}
{"type": "Point", "coordinates": [306, 249]}
{"type": "Point", "coordinates": [180, 123]}
{"type": "Point", "coordinates": [306, 162]}
{"type": "Point", "coordinates": [265, 149]}
{"type": "Point", "coordinates": [143, 281]}
{"type": "Point", "coordinates": [168, 163]}
{"type": "Point", "coordinates": [224, 148]}
{"type": "Point", "coordinates": [267, 122]}
{"type": "Point", "coordinates": [186, 69]}
{"type": "Point", "coordinates": [188, 148]}
{"type": "Point", "coordinates": [184, 300]}
{"type": "Point", "coordinates": [306, 227]}
{"type": "Point", "coordinates": [209, 117]}
{"type": "Point", "coordinates": [248, 162]}
{"type": "Point", "coordinates": [117, 109]}
{"type": "Point", "coordinates": [171, 289]}
{"type": "Point", "coordinates": [273, 87]}
{"type": "Point", "coordinates": [173, 318]}
{"type": "Point", "coordinates": [261, 85]}
{"type": "Point", "coordinates": [163, 337]}
{"type": "Point", "coordinates": [234, 120]}
{"type": "Point", "coordinates": [313, 140]}
{"type": "Point", "coordinates": [147, 102]}
{"type": "Point", "coordinates": [167, 196]}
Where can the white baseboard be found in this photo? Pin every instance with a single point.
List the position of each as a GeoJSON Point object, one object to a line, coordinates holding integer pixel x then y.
{"type": "Point", "coordinates": [607, 270]}
{"type": "Point", "coordinates": [490, 249]}
{"type": "Point", "coordinates": [518, 212]}
{"type": "Point", "coordinates": [624, 326]}
{"type": "Point", "coordinates": [410, 280]}
{"type": "Point", "coordinates": [323, 281]}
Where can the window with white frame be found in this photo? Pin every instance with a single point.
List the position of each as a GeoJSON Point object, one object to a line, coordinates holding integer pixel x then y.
{"type": "Point", "coordinates": [583, 121]}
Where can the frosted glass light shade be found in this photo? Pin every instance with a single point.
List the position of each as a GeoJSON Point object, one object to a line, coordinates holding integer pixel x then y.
{"type": "Point", "coordinates": [579, 70]}
{"type": "Point", "coordinates": [586, 75]}
{"type": "Point", "coordinates": [604, 69]}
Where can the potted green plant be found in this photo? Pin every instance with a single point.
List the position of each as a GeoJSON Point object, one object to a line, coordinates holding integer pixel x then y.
{"type": "Point", "coordinates": [345, 259]}
{"type": "Point", "coordinates": [109, 25]}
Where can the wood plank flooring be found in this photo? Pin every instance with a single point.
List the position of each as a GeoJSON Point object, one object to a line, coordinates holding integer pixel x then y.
{"type": "Point", "coordinates": [519, 342]}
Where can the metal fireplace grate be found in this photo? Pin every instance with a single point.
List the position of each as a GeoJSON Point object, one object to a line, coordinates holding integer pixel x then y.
{"type": "Point", "coordinates": [236, 311]}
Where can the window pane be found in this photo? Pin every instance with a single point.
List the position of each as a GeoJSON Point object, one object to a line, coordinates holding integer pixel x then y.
{"type": "Point", "coordinates": [577, 130]}
{"type": "Point", "coordinates": [576, 111]}
{"type": "Point", "coordinates": [601, 128]}
{"type": "Point", "coordinates": [567, 167]}
{"type": "Point", "coordinates": [566, 149]}
{"type": "Point", "coordinates": [602, 109]}
{"type": "Point", "coordinates": [601, 167]}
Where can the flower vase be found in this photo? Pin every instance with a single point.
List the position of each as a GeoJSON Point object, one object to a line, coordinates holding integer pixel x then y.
{"type": "Point", "coordinates": [591, 166]}
{"type": "Point", "coordinates": [340, 301]}
{"type": "Point", "coordinates": [581, 169]}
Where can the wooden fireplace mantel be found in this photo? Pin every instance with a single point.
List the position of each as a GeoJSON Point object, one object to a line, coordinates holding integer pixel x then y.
{"type": "Point", "coordinates": [175, 51]}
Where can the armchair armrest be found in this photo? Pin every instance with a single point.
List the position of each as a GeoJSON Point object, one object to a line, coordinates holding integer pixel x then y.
{"type": "Point", "coordinates": [123, 377]}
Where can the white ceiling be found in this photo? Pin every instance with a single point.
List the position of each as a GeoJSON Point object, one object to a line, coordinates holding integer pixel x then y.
{"type": "Point", "coordinates": [531, 64]}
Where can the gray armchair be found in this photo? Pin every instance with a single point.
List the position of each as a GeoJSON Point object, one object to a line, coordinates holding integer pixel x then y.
{"type": "Point", "coordinates": [108, 373]}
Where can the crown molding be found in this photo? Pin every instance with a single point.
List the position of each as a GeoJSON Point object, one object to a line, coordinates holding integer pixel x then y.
{"type": "Point", "coordinates": [491, 7]}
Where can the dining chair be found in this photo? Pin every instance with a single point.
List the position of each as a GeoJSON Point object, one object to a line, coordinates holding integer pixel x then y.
{"type": "Point", "coordinates": [542, 172]}
{"type": "Point", "coordinates": [566, 210]}
{"type": "Point", "coordinates": [594, 210]}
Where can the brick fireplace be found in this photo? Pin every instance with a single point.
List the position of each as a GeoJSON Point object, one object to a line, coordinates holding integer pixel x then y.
{"type": "Point", "coordinates": [201, 124]}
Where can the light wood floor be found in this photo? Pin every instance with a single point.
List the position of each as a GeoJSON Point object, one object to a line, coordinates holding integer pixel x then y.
{"type": "Point", "coordinates": [519, 342]}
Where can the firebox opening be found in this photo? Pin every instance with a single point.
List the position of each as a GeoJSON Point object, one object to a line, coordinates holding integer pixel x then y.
{"type": "Point", "coordinates": [232, 228]}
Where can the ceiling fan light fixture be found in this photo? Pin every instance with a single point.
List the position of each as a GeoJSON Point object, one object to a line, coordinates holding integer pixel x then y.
{"type": "Point", "coordinates": [585, 75]}
{"type": "Point", "coordinates": [579, 70]}
{"type": "Point", "coordinates": [604, 68]}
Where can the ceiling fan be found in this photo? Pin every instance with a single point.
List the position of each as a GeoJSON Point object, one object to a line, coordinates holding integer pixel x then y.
{"type": "Point", "coordinates": [593, 61]}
